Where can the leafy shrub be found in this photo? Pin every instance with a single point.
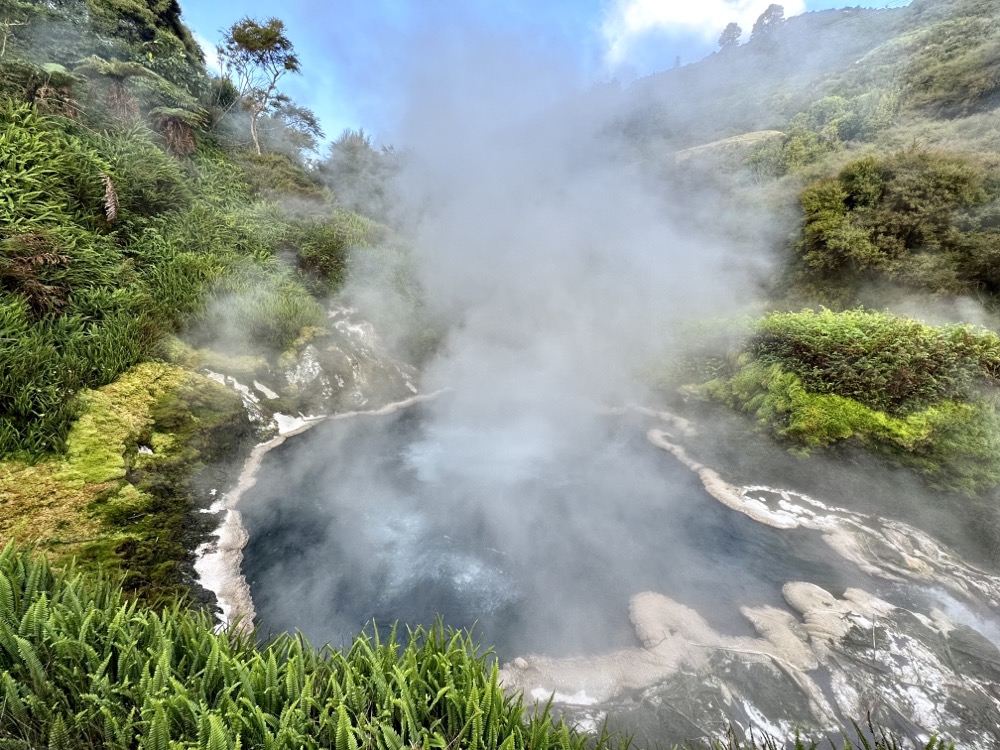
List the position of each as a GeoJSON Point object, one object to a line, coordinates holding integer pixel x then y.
{"type": "Point", "coordinates": [954, 445]}
{"type": "Point", "coordinates": [323, 244]}
{"type": "Point", "coordinates": [910, 392]}
{"type": "Point", "coordinates": [278, 176]}
{"type": "Point", "coordinates": [897, 218]}
{"type": "Point", "coordinates": [892, 364]}
{"type": "Point", "coordinates": [50, 176]}
{"type": "Point", "coordinates": [72, 313]}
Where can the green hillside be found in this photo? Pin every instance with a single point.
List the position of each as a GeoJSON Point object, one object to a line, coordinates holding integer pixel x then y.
{"type": "Point", "coordinates": [133, 211]}
{"type": "Point", "coordinates": [875, 138]}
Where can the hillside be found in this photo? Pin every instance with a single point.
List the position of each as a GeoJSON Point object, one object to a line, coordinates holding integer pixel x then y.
{"type": "Point", "coordinates": [134, 210]}
{"type": "Point", "coordinates": [868, 130]}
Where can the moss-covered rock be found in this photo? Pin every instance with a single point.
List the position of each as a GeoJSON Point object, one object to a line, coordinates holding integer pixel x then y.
{"type": "Point", "coordinates": [921, 396]}
{"type": "Point", "coordinates": [123, 494]}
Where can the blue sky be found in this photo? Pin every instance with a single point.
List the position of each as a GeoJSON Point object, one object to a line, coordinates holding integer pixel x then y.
{"type": "Point", "coordinates": [356, 54]}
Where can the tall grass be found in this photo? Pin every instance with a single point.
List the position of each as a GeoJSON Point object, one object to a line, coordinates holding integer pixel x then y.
{"type": "Point", "coordinates": [83, 667]}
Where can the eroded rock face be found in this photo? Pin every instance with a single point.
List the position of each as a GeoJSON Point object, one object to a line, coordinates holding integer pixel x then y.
{"type": "Point", "coordinates": [348, 368]}
{"type": "Point", "coordinates": [343, 368]}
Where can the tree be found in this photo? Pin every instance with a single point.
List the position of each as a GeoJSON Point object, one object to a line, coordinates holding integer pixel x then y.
{"type": "Point", "coordinates": [257, 55]}
{"type": "Point", "coordinates": [360, 173]}
{"type": "Point", "coordinates": [289, 128]}
{"type": "Point", "coordinates": [768, 21]}
{"type": "Point", "coordinates": [121, 102]}
{"type": "Point", "coordinates": [730, 36]}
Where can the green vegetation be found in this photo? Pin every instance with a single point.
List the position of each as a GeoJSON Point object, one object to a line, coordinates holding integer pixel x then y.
{"type": "Point", "coordinates": [954, 65]}
{"type": "Point", "coordinates": [919, 219]}
{"type": "Point", "coordinates": [886, 362]}
{"type": "Point", "coordinates": [83, 667]}
{"type": "Point", "coordinates": [880, 140]}
{"type": "Point", "coordinates": [915, 394]}
{"type": "Point", "coordinates": [110, 245]}
{"type": "Point", "coordinates": [137, 224]}
{"type": "Point", "coordinates": [111, 505]}
{"type": "Point", "coordinates": [144, 216]}
{"type": "Point", "coordinates": [117, 233]}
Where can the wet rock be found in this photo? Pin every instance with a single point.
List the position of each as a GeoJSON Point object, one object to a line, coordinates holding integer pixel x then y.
{"type": "Point", "coordinates": [841, 659]}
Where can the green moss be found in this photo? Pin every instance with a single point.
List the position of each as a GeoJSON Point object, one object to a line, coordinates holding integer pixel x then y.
{"type": "Point", "coordinates": [110, 505]}
{"type": "Point", "coordinates": [955, 445]}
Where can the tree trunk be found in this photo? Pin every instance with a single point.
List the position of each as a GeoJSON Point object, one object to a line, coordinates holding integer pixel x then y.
{"type": "Point", "coordinates": [254, 116]}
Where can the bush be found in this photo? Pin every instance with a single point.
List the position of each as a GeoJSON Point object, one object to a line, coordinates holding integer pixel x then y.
{"type": "Point", "coordinates": [913, 393]}
{"type": "Point", "coordinates": [898, 218]}
{"type": "Point", "coordinates": [72, 312]}
{"type": "Point", "coordinates": [324, 245]}
{"type": "Point", "coordinates": [892, 364]}
{"type": "Point", "coordinates": [50, 176]}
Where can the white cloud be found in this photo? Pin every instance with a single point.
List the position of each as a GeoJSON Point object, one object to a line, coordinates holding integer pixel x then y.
{"type": "Point", "coordinates": [211, 55]}
{"type": "Point", "coordinates": [626, 21]}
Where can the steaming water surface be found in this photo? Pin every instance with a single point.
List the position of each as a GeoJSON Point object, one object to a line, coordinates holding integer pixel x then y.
{"type": "Point", "coordinates": [544, 561]}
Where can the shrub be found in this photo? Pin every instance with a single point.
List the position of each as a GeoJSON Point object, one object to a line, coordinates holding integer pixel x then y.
{"type": "Point", "coordinates": [897, 218]}
{"type": "Point", "coordinates": [913, 393]}
{"type": "Point", "coordinates": [889, 363]}
{"type": "Point", "coordinates": [50, 176]}
{"type": "Point", "coordinates": [324, 244]}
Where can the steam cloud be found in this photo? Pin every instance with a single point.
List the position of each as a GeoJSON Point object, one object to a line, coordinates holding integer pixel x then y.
{"type": "Point", "coordinates": [562, 258]}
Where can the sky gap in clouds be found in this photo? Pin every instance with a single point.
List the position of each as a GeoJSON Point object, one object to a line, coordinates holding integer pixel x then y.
{"type": "Point", "coordinates": [628, 21]}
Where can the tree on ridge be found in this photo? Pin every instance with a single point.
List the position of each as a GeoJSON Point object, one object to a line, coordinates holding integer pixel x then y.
{"type": "Point", "coordinates": [768, 21]}
{"type": "Point", "coordinates": [730, 36]}
{"type": "Point", "coordinates": [258, 55]}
